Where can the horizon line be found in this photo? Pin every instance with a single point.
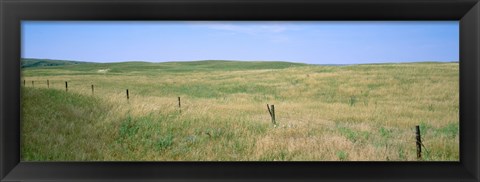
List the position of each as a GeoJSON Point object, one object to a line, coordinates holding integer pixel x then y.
{"type": "Point", "coordinates": [392, 62]}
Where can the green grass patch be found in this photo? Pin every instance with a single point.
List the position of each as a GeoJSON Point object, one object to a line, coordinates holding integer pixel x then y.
{"type": "Point", "coordinates": [58, 126]}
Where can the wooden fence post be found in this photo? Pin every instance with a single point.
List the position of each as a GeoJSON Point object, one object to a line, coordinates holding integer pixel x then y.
{"type": "Point", "coordinates": [179, 105]}
{"type": "Point", "coordinates": [33, 85]}
{"type": "Point", "coordinates": [418, 142]}
{"type": "Point", "coordinates": [92, 90]}
{"type": "Point", "coordinates": [272, 114]}
{"type": "Point", "coordinates": [23, 82]}
{"type": "Point", "coordinates": [128, 97]}
{"type": "Point", "coordinates": [48, 83]}
{"type": "Point", "coordinates": [66, 86]}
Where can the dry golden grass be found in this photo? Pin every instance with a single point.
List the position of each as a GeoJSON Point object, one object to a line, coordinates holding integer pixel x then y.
{"type": "Point", "coordinates": [325, 113]}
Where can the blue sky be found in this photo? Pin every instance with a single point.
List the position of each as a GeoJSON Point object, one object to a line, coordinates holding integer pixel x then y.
{"type": "Point", "coordinates": [314, 42]}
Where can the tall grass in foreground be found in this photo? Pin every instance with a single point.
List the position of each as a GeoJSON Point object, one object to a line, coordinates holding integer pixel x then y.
{"type": "Point", "coordinates": [361, 112]}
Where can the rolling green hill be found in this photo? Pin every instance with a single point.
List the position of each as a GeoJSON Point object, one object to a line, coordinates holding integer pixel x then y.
{"type": "Point", "coordinates": [82, 68]}
{"type": "Point", "coordinates": [32, 62]}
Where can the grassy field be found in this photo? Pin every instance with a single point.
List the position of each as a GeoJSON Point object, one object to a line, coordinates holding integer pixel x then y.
{"type": "Point", "coordinates": [324, 113]}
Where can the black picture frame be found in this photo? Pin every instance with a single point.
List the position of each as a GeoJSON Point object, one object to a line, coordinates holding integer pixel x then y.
{"type": "Point", "coordinates": [12, 12]}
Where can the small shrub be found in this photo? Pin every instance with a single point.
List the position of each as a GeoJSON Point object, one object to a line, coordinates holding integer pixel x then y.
{"type": "Point", "coordinates": [164, 142]}
{"type": "Point", "coordinates": [401, 153]}
{"type": "Point", "coordinates": [352, 100]}
{"type": "Point", "coordinates": [430, 108]}
{"type": "Point", "coordinates": [451, 130]}
{"type": "Point", "coordinates": [128, 128]}
{"type": "Point", "coordinates": [342, 155]}
{"type": "Point", "coordinates": [385, 133]}
{"type": "Point", "coordinates": [352, 136]}
{"type": "Point", "coordinates": [282, 155]}
{"type": "Point", "coordinates": [424, 128]}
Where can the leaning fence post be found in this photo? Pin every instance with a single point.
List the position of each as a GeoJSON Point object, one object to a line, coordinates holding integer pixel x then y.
{"type": "Point", "coordinates": [418, 142]}
{"type": "Point", "coordinates": [272, 114]}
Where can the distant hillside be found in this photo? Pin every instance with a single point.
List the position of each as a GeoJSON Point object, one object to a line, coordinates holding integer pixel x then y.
{"type": "Point", "coordinates": [31, 62]}
{"type": "Point", "coordinates": [229, 65]}
{"type": "Point", "coordinates": [148, 67]}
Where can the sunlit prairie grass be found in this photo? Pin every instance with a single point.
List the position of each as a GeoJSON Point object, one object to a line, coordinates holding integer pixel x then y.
{"type": "Point", "coordinates": [324, 113]}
